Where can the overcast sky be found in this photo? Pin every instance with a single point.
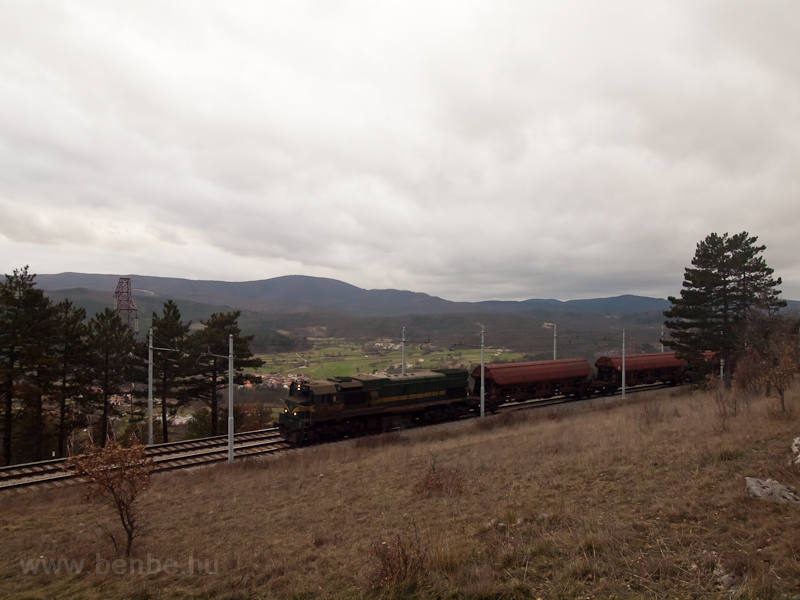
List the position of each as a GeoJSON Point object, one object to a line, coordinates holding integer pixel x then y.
{"type": "Point", "coordinates": [467, 149]}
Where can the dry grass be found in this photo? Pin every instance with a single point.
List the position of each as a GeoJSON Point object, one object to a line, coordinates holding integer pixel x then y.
{"type": "Point", "coordinates": [643, 499]}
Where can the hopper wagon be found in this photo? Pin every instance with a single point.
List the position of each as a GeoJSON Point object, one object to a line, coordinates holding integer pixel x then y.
{"type": "Point", "coordinates": [514, 382]}
{"type": "Point", "coordinates": [640, 369]}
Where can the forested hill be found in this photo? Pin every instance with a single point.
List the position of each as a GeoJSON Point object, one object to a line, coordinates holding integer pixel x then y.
{"type": "Point", "coordinates": [298, 293]}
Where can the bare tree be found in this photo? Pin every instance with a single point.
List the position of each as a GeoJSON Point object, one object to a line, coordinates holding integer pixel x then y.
{"type": "Point", "coordinates": [769, 360]}
{"type": "Point", "coordinates": [117, 476]}
{"type": "Point", "coordinates": [779, 369]}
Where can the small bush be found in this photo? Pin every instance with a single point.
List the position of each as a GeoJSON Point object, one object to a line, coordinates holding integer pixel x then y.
{"type": "Point", "coordinates": [649, 415]}
{"type": "Point", "coordinates": [749, 378]}
{"type": "Point", "coordinates": [117, 476]}
{"type": "Point", "coordinates": [728, 405]}
{"type": "Point", "coordinates": [401, 564]}
{"type": "Point", "coordinates": [441, 482]}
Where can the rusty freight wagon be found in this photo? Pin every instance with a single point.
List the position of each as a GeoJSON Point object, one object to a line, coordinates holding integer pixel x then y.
{"type": "Point", "coordinates": [514, 382]}
{"type": "Point", "coordinates": [339, 407]}
{"type": "Point", "coordinates": [640, 369]}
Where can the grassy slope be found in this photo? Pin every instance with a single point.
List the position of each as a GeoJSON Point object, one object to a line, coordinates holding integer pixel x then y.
{"type": "Point", "coordinates": [637, 500]}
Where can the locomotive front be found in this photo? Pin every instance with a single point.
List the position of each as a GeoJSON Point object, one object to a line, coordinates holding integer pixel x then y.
{"type": "Point", "coordinates": [298, 412]}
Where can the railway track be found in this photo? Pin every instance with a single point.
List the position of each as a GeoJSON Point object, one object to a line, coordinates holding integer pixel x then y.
{"type": "Point", "coordinates": [556, 400]}
{"type": "Point", "coordinates": [167, 457]}
{"type": "Point", "coordinates": [195, 453]}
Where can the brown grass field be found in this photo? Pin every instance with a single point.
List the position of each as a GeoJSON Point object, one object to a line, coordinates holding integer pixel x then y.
{"type": "Point", "coordinates": [641, 499]}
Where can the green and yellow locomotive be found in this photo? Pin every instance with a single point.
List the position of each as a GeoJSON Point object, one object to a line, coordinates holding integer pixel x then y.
{"type": "Point", "coordinates": [329, 409]}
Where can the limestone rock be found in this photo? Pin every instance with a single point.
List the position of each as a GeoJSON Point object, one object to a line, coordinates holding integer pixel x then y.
{"type": "Point", "coordinates": [796, 450]}
{"type": "Point", "coordinates": [771, 490]}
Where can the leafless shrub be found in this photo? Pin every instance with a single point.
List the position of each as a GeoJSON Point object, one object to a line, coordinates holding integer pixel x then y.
{"type": "Point", "coordinates": [649, 415]}
{"type": "Point", "coordinates": [749, 377]}
{"type": "Point", "coordinates": [449, 482]}
{"type": "Point", "coordinates": [117, 476]}
{"type": "Point", "coordinates": [727, 404]}
{"type": "Point", "coordinates": [401, 564]}
{"type": "Point", "coordinates": [775, 412]}
{"type": "Point", "coordinates": [779, 371]}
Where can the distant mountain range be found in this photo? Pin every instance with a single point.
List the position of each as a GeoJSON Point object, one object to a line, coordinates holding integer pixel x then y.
{"type": "Point", "coordinates": [299, 293]}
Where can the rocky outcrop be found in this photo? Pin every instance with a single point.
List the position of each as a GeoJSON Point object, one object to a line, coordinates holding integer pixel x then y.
{"type": "Point", "coordinates": [771, 490]}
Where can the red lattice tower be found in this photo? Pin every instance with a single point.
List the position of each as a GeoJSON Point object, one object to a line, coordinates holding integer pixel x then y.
{"type": "Point", "coordinates": [124, 305]}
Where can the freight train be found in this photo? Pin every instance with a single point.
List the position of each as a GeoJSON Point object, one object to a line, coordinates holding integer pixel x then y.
{"type": "Point", "coordinates": [341, 407]}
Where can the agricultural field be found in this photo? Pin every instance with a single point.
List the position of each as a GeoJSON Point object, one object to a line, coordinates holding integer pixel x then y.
{"type": "Point", "coordinates": [330, 357]}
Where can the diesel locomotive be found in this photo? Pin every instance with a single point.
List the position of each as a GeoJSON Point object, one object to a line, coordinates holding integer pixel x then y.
{"type": "Point", "coordinates": [340, 407]}
{"type": "Point", "coordinates": [324, 410]}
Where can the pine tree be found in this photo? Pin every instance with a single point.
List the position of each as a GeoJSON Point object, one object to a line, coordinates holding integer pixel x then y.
{"type": "Point", "coordinates": [25, 330]}
{"type": "Point", "coordinates": [170, 369]}
{"type": "Point", "coordinates": [210, 349]}
{"type": "Point", "coordinates": [71, 351]}
{"type": "Point", "coordinates": [111, 346]}
{"type": "Point", "coordinates": [36, 388]}
{"type": "Point", "coordinates": [727, 280]}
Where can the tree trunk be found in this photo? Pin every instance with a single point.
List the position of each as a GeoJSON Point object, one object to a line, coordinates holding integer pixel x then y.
{"type": "Point", "coordinates": [130, 528]}
{"type": "Point", "coordinates": [62, 419]}
{"type": "Point", "coordinates": [214, 402]}
{"type": "Point", "coordinates": [38, 427]}
{"type": "Point", "coordinates": [7, 421]}
{"type": "Point", "coordinates": [165, 434]}
{"type": "Point", "coordinates": [726, 374]}
{"type": "Point", "coordinates": [104, 421]}
{"type": "Point", "coordinates": [214, 412]}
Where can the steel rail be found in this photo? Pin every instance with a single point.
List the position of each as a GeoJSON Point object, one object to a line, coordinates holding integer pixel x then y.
{"type": "Point", "coordinates": [557, 400]}
{"type": "Point", "coordinates": [204, 451]}
{"type": "Point", "coordinates": [170, 456]}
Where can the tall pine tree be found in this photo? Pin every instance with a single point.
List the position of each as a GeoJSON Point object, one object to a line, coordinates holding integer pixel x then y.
{"type": "Point", "coordinates": [210, 349]}
{"type": "Point", "coordinates": [111, 346]}
{"type": "Point", "coordinates": [170, 365]}
{"type": "Point", "coordinates": [71, 350]}
{"type": "Point", "coordinates": [728, 279]}
{"type": "Point", "coordinates": [25, 330]}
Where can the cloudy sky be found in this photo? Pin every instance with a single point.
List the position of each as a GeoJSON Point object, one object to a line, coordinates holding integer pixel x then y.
{"type": "Point", "coordinates": [470, 149]}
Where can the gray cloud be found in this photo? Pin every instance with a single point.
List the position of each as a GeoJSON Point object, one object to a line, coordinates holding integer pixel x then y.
{"type": "Point", "coordinates": [468, 150]}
